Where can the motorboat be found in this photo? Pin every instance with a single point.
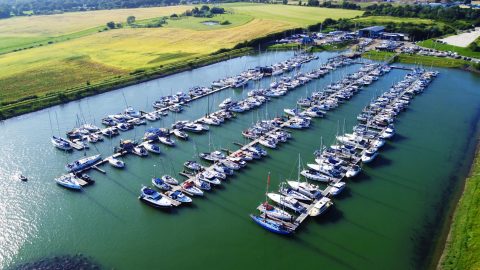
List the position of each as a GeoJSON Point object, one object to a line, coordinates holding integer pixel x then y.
{"type": "Point", "coordinates": [275, 212]}
{"type": "Point", "coordinates": [116, 162]}
{"type": "Point", "coordinates": [320, 207]}
{"type": "Point", "coordinates": [152, 147]}
{"type": "Point", "coordinates": [154, 198]}
{"type": "Point", "coordinates": [222, 169]}
{"type": "Point", "coordinates": [180, 134]}
{"type": "Point", "coordinates": [271, 225]}
{"type": "Point", "coordinates": [176, 108]}
{"type": "Point", "coordinates": [203, 185]}
{"type": "Point", "coordinates": [193, 165]}
{"type": "Point", "coordinates": [267, 142]}
{"type": "Point", "coordinates": [82, 164]}
{"type": "Point", "coordinates": [169, 180]}
{"type": "Point", "coordinates": [132, 113]}
{"type": "Point", "coordinates": [139, 151]}
{"type": "Point", "coordinates": [159, 183]}
{"type": "Point", "coordinates": [166, 140]}
{"type": "Point", "coordinates": [151, 116]}
{"type": "Point", "coordinates": [177, 195]}
{"type": "Point", "coordinates": [68, 181]}
{"type": "Point", "coordinates": [369, 155]}
{"type": "Point", "coordinates": [353, 171]}
{"type": "Point", "coordinates": [337, 188]}
{"type": "Point", "coordinates": [230, 164]}
{"type": "Point", "coordinates": [190, 188]}
{"type": "Point", "coordinates": [209, 177]}
{"type": "Point", "coordinates": [61, 143]}
{"type": "Point", "coordinates": [258, 150]}
{"type": "Point", "coordinates": [288, 202]}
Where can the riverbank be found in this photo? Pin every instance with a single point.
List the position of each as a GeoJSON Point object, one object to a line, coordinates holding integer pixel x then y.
{"type": "Point", "coordinates": [462, 247]}
{"type": "Point", "coordinates": [35, 103]}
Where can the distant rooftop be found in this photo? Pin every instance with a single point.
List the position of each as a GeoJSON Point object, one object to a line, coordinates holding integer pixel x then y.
{"type": "Point", "coordinates": [374, 28]}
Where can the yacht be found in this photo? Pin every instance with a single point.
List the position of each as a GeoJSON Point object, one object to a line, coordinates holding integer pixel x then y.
{"type": "Point", "coordinates": [152, 147]}
{"type": "Point", "coordinates": [61, 143]}
{"type": "Point", "coordinates": [166, 141]}
{"type": "Point", "coordinates": [320, 207]}
{"type": "Point", "coordinates": [169, 180]}
{"type": "Point", "coordinates": [178, 196]}
{"type": "Point", "coordinates": [271, 225]}
{"type": "Point", "coordinates": [305, 188]}
{"type": "Point", "coordinates": [288, 202]}
{"type": "Point", "coordinates": [274, 212]}
{"type": "Point", "coordinates": [369, 155]}
{"type": "Point", "coordinates": [180, 134]}
{"type": "Point", "coordinates": [116, 162]}
{"type": "Point", "coordinates": [159, 183]}
{"type": "Point", "coordinates": [154, 198]}
{"type": "Point", "coordinates": [68, 181]}
{"type": "Point", "coordinates": [190, 188]}
{"type": "Point", "coordinates": [82, 164]}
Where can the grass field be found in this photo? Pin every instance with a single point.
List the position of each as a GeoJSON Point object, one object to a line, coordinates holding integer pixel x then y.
{"type": "Point", "coordinates": [27, 32]}
{"type": "Point", "coordinates": [462, 250]}
{"type": "Point", "coordinates": [97, 56]}
{"type": "Point", "coordinates": [429, 43]}
{"type": "Point", "coordinates": [417, 59]}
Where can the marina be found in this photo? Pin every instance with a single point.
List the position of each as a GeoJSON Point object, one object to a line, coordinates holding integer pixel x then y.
{"type": "Point", "coordinates": [354, 217]}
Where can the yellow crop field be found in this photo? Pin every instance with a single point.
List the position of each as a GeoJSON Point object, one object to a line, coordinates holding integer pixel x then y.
{"type": "Point", "coordinates": [104, 55]}
{"type": "Point", "coordinates": [60, 24]}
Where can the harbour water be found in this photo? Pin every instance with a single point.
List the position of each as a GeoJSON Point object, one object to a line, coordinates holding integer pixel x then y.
{"type": "Point", "coordinates": [387, 217]}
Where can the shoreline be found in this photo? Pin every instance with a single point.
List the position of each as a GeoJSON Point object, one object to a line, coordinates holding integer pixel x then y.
{"type": "Point", "coordinates": [444, 240]}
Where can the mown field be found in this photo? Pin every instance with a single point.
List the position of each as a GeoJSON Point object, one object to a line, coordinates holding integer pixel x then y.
{"type": "Point", "coordinates": [462, 250]}
{"type": "Point", "coordinates": [98, 56]}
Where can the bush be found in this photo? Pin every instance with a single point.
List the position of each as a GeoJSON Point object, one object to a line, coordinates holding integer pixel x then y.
{"type": "Point", "coordinates": [225, 22]}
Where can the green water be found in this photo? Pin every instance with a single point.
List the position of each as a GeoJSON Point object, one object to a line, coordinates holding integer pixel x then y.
{"type": "Point", "coordinates": [385, 219]}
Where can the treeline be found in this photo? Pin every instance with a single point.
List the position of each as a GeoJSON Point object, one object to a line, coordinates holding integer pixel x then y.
{"type": "Point", "coordinates": [204, 11]}
{"type": "Point", "coordinates": [10, 8]}
{"type": "Point", "coordinates": [329, 4]}
{"type": "Point", "coordinates": [457, 16]}
{"type": "Point", "coordinates": [414, 31]}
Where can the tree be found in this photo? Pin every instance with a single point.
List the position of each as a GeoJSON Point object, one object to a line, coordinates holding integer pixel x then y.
{"type": "Point", "coordinates": [130, 19]}
{"type": "Point", "coordinates": [111, 25]}
{"type": "Point", "coordinates": [285, 2]}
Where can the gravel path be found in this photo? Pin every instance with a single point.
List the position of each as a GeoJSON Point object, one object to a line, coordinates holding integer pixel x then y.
{"type": "Point", "coordinates": [464, 39]}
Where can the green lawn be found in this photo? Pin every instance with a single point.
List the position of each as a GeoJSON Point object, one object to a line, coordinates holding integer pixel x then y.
{"type": "Point", "coordinates": [462, 250]}
{"type": "Point", "coordinates": [417, 59]}
{"type": "Point", "coordinates": [429, 43]}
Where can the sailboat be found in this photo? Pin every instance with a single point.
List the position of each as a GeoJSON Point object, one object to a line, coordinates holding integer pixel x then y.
{"type": "Point", "coordinates": [270, 210]}
{"type": "Point", "coordinates": [305, 188]}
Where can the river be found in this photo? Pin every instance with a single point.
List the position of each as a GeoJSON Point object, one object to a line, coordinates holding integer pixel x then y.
{"type": "Point", "coordinates": [387, 218]}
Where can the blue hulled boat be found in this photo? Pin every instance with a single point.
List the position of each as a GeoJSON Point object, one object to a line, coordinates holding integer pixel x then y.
{"type": "Point", "coordinates": [271, 225]}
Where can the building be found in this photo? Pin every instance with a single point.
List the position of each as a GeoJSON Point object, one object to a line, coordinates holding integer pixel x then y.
{"type": "Point", "coordinates": [371, 32]}
{"type": "Point", "coordinates": [394, 36]}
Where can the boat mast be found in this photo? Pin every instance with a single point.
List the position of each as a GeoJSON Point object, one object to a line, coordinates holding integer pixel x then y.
{"type": "Point", "coordinates": [268, 184]}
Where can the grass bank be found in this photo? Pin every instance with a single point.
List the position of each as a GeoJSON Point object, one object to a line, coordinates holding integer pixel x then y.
{"type": "Point", "coordinates": [462, 248]}
{"type": "Point", "coordinates": [418, 59]}
{"type": "Point", "coordinates": [34, 102]}
{"type": "Point", "coordinates": [430, 43]}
